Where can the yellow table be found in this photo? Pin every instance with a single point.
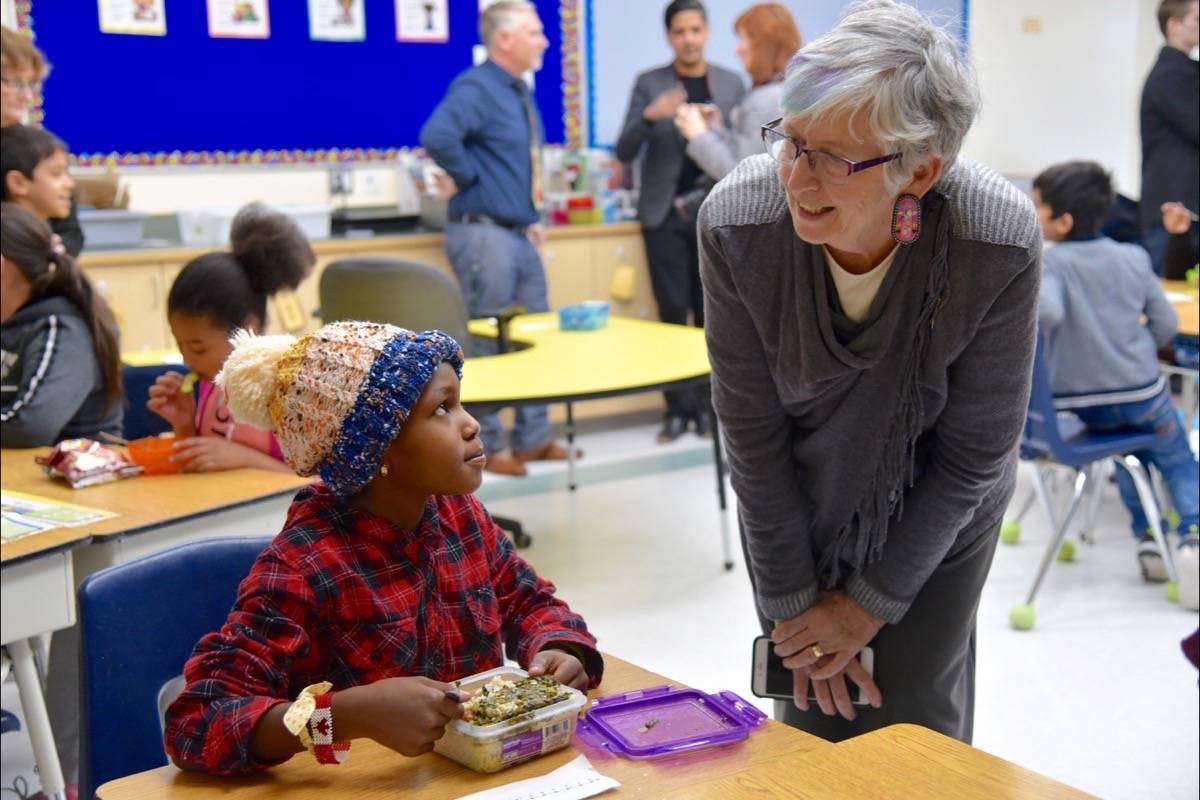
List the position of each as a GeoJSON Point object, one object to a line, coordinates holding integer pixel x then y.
{"type": "Point", "coordinates": [626, 356]}
{"type": "Point", "coordinates": [40, 571]}
{"type": "Point", "coordinates": [774, 762]}
{"type": "Point", "coordinates": [1188, 310]}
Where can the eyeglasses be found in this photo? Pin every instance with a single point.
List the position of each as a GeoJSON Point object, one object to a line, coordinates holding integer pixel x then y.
{"type": "Point", "coordinates": [826, 166]}
{"type": "Point", "coordinates": [12, 84]}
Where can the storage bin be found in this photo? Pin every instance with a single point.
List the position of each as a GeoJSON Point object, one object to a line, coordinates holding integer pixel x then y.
{"type": "Point", "coordinates": [491, 748]}
{"type": "Point", "coordinates": [210, 227]}
{"type": "Point", "coordinates": [111, 227]}
{"type": "Point", "coordinates": [590, 315]}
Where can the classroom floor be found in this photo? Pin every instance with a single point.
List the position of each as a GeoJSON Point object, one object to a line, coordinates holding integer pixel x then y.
{"type": "Point", "coordinates": [1097, 696]}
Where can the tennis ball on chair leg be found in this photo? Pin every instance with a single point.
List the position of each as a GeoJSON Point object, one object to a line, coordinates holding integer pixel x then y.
{"type": "Point", "coordinates": [1173, 591]}
{"type": "Point", "coordinates": [1010, 531]}
{"type": "Point", "coordinates": [1021, 617]}
{"type": "Point", "coordinates": [1067, 551]}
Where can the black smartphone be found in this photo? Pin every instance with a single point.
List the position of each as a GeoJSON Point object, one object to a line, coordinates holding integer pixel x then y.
{"type": "Point", "coordinates": [769, 678]}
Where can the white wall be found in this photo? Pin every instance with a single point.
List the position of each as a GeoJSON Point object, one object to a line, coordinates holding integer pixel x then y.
{"type": "Point", "coordinates": [1067, 91]}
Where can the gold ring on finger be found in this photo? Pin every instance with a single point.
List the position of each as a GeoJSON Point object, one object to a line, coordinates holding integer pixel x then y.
{"type": "Point", "coordinates": [817, 651]}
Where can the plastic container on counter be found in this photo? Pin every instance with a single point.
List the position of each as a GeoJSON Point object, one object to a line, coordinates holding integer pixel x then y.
{"type": "Point", "coordinates": [491, 748]}
{"type": "Point", "coordinates": [667, 720]}
{"type": "Point", "coordinates": [112, 227]}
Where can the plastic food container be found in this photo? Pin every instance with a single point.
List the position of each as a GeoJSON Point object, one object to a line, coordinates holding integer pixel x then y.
{"type": "Point", "coordinates": [587, 316]}
{"type": "Point", "coordinates": [491, 748]}
{"type": "Point", "coordinates": [667, 720]}
{"type": "Point", "coordinates": [153, 455]}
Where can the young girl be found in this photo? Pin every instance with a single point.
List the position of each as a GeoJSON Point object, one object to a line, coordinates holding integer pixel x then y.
{"type": "Point", "coordinates": [60, 362]}
{"type": "Point", "coordinates": [388, 580]}
{"type": "Point", "coordinates": [213, 296]}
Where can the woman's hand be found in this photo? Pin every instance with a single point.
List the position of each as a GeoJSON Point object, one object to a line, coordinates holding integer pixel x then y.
{"type": "Point", "coordinates": [691, 121]}
{"type": "Point", "coordinates": [212, 454]}
{"type": "Point", "coordinates": [833, 693]}
{"type": "Point", "coordinates": [405, 714]}
{"type": "Point", "coordinates": [168, 400]}
{"type": "Point", "coordinates": [836, 626]}
{"type": "Point", "coordinates": [562, 666]}
{"type": "Point", "coordinates": [1176, 218]}
{"type": "Point", "coordinates": [665, 105]}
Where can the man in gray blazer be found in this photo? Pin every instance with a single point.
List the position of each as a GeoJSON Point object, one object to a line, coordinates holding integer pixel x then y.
{"type": "Point", "coordinates": [673, 185]}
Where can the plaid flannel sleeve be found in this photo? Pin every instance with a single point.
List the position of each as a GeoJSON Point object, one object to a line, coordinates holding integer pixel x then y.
{"type": "Point", "coordinates": [236, 674]}
{"type": "Point", "coordinates": [533, 617]}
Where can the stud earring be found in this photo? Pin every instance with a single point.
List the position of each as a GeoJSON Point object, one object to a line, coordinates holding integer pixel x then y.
{"type": "Point", "coordinates": [906, 219]}
{"type": "Point", "coordinates": [383, 470]}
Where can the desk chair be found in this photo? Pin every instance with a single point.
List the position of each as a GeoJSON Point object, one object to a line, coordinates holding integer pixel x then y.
{"type": "Point", "coordinates": [138, 624]}
{"type": "Point", "coordinates": [136, 381]}
{"type": "Point", "coordinates": [1048, 441]}
{"type": "Point", "coordinates": [413, 296]}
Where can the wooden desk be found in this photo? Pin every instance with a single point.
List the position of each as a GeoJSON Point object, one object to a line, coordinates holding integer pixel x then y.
{"type": "Point", "coordinates": [40, 571]}
{"type": "Point", "coordinates": [374, 772]}
{"type": "Point", "coordinates": [1188, 311]}
{"type": "Point", "coordinates": [897, 761]}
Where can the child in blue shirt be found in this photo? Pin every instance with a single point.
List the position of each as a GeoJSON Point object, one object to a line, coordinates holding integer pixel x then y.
{"type": "Point", "coordinates": [1102, 356]}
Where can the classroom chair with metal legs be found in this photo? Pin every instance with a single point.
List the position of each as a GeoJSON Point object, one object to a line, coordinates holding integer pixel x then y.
{"type": "Point", "coordinates": [138, 624]}
{"type": "Point", "coordinates": [1047, 442]}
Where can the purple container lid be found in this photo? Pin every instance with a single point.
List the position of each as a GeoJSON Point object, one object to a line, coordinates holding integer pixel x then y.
{"type": "Point", "coordinates": [665, 720]}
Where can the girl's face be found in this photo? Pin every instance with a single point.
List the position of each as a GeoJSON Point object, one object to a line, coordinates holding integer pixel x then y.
{"type": "Point", "coordinates": [744, 50]}
{"type": "Point", "coordinates": [438, 450]}
{"type": "Point", "coordinates": [15, 289]}
{"type": "Point", "coordinates": [202, 341]}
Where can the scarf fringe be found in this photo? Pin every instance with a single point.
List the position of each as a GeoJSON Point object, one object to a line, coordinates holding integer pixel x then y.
{"type": "Point", "coordinates": [860, 541]}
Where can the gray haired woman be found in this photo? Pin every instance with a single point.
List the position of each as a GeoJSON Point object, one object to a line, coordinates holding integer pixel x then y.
{"type": "Point", "coordinates": [871, 302]}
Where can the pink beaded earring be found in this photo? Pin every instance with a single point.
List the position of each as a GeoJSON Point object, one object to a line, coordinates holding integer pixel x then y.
{"type": "Point", "coordinates": [906, 219]}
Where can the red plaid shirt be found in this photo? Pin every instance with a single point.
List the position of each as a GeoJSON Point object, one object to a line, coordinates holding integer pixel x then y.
{"type": "Point", "coordinates": [348, 597]}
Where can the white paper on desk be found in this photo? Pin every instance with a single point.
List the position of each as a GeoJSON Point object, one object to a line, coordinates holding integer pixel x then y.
{"type": "Point", "coordinates": [1178, 297]}
{"type": "Point", "coordinates": [573, 781]}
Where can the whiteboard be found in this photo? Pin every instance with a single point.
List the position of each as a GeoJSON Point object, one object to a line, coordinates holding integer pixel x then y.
{"type": "Point", "coordinates": [627, 37]}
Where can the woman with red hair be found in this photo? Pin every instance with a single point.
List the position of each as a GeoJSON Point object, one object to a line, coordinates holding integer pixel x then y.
{"type": "Point", "coordinates": [767, 38]}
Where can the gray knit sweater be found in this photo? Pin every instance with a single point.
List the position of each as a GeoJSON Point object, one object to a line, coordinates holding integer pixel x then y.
{"type": "Point", "coordinates": [810, 401]}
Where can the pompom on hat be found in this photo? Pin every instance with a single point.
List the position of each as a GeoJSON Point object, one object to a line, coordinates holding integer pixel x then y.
{"type": "Point", "coordinates": [335, 398]}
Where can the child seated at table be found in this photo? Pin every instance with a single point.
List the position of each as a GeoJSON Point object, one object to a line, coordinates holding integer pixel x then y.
{"type": "Point", "coordinates": [389, 579]}
{"type": "Point", "coordinates": [1102, 356]}
{"type": "Point", "coordinates": [213, 296]}
{"type": "Point", "coordinates": [33, 163]}
{"type": "Point", "coordinates": [60, 361]}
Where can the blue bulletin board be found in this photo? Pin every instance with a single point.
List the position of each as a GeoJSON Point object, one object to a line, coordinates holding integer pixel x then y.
{"type": "Point", "coordinates": [285, 97]}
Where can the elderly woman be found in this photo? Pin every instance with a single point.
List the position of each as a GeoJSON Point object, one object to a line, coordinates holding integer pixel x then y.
{"type": "Point", "coordinates": [871, 307]}
{"type": "Point", "coordinates": [767, 37]}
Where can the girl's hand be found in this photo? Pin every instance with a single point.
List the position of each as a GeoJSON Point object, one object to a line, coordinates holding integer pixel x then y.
{"type": "Point", "coordinates": [408, 714]}
{"type": "Point", "coordinates": [562, 666]}
{"type": "Point", "coordinates": [211, 454]}
{"type": "Point", "coordinates": [168, 400]}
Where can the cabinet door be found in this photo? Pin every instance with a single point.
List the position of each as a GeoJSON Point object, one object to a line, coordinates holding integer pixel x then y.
{"type": "Point", "coordinates": [624, 252]}
{"type": "Point", "coordinates": [569, 275]}
{"type": "Point", "coordinates": [137, 296]}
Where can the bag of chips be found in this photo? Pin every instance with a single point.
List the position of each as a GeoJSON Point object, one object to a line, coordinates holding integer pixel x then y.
{"type": "Point", "coordinates": [85, 462]}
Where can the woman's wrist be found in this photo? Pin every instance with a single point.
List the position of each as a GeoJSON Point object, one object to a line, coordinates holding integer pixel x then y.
{"type": "Point", "coordinates": [352, 715]}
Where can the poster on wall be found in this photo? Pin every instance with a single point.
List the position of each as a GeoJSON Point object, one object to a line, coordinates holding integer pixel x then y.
{"type": "Point", "coordinates": [239, 19]}
{"type": "Point", "coordinates": [422, 21]}
{"type": "Point", "coordinates": [141, 17]}
{"type": "Point", "coordinates": [337, 20]}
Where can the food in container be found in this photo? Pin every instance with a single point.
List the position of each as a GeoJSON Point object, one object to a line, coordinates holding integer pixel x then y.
{"type": "Point", "coordinates": [153, 454]}
{"type": "Point", "coordinates": [511, 721]}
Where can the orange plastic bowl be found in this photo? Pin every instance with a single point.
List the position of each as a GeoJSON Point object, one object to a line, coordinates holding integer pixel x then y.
{"type": "Point", "coordinates": [153, 454]}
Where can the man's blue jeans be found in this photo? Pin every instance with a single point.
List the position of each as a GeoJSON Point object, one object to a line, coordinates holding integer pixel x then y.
{"type": "Point", "coordinates": [497, 267]}
{"type": "Point", "coordinates": [1170, 454]}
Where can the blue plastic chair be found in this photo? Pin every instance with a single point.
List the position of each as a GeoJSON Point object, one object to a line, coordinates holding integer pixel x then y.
{"type": "Point", "coordinates": [139, 622]}
{"type": "Point", "coordinates": [1049, 440]}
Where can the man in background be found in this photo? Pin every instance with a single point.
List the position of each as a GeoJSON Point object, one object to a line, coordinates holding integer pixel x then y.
{"type": "Point", "coordinates": [1171, 126]}
{"type": "Point", "coordinates": [673, 186]}
{"type": "Point", "coordinates": [487, 136]}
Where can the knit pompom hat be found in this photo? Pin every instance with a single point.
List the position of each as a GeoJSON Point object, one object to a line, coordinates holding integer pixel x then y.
{"type": "Point", "coordinates": [335, 398]}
